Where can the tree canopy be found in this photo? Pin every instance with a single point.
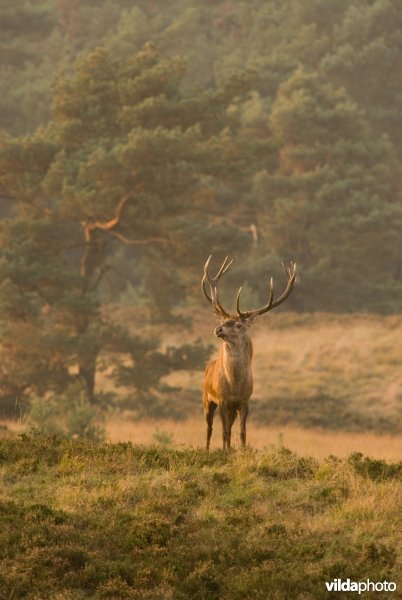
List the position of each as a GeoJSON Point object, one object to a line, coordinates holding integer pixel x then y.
{"type": "Point", "coordinates": [126, 158]}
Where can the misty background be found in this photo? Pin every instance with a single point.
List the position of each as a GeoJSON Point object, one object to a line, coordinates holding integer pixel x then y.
{"type": "Point", "coordinates": [140, 137]}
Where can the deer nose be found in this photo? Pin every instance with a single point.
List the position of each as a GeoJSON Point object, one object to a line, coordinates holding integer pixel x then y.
{"type": "Point", "coordinates": [218, 331]}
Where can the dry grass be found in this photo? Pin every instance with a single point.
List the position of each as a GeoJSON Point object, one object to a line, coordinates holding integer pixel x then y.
{"type": "Point", "coordinates": [316, 443]}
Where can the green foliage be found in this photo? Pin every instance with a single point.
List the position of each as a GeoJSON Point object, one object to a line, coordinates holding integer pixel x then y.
{"type": "Point", "coordinates": [68, 413]}
{"type": "Point", "coordinates": [30, 53]}
{"type": "Point", "coordinates": [167, 278]}
{"type": "Point", "coordinates": [163, 438]}
{"type": "Point", "coordinates": [133, 296]}
{"type": "Point", "coordinates": [74, 190]}
{"type": "Point", "coordinates": [375, 469]}
{"type": "Point", "coordinates": [140, 365]}
{"type": "Point", "coordinates": [285, 464]}
{"type": "Point", "coordinates": [87, 520]}
{"type": "Point", "coordinates": [318, 408]}
{"type": "Point", "coordinates": [331, 191]}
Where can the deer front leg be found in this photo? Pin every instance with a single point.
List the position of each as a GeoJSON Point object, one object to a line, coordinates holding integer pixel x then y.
{"type": "Point", "coordinates": [228, 416]}
{"type": "Point", "coordinates": [209, 411]}
{"type": "Point", "coordinates": [223, 413]}
{"type": "Point", "coordinates": [243, 412]}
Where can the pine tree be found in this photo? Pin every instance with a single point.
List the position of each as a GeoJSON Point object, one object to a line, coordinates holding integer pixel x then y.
{"type": "Point", "coordinates": [127, 158]}
{"type": "Point", "coordinates": [331, 196]}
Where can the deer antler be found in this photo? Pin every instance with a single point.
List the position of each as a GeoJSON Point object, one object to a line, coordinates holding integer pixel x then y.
{"type": "Point", "coordinates": [291, 276]}
{"type": "Point", "coordinates": [212, 296]}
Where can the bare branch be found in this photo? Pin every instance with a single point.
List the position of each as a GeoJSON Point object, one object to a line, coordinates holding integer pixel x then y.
{"type": "Point", "coordinates": [131, 242]}
{"type": "Point", "coordinates": [109, 225]}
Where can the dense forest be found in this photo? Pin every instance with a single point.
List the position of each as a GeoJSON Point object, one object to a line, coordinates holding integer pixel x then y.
{"type": "Point", "coordinates": [138, 137]}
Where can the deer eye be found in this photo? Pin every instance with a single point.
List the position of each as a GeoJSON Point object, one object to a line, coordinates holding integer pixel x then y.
{"type": "Point", "coordinates": [238, 325]}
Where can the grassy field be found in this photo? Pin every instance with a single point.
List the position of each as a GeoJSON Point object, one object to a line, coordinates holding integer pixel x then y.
{"type": "Point", "coordinates": [338, 372]}
{"type": "Point", "coordinates": [99, 521]}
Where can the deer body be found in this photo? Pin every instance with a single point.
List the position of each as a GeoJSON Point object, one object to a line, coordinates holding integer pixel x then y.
{"type": "Point", "coordinates": [228, 380]}
{"type": "Point", "coordinates": [228, 385]}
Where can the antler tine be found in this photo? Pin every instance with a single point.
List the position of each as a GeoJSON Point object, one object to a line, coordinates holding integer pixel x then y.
{"type": "Point", "coordinates": [205, 291]}
{"type": "Point", "coordinates": [219, 305]}
{"type": "Point", "coordinates": [239, 312]}
{"type": "Point", "coordinates": [291, 274]}
{"type": "Point", "coordinates": [212, 282]}
{"type": "Point", "coordinates": [207, 278]}
{"type": "Point", "coordinates": [225, 266]}
{"type": "Point", "coordinates": [260, 311]}
{"type": "Point", "coordinates": [268, 306]}
{"type": "Point", "coordinates": [289, 271]}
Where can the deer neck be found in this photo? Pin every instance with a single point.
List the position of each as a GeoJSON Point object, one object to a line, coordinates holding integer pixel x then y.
{"type": "Point", "coordinates": [236, 360]}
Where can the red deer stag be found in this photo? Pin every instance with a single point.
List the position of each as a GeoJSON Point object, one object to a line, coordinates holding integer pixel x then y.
{"type": "Point", "coordinates": [228, 379]}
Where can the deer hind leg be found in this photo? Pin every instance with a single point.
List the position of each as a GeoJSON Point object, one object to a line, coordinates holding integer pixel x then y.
{"type": "Point", "coordinates": [209, 411]}
{"type": "Point", "coordinates": [243, 412]}
{"type": "Point", "coordinates": [228, 416]}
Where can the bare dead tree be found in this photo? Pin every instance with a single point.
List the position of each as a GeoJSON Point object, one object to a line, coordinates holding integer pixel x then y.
{"type": "Point", "coordinates": [228, 380]}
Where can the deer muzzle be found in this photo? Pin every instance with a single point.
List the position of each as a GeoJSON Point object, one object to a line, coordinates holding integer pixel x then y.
{"type": "Point", "coordinates": [219, 331]}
